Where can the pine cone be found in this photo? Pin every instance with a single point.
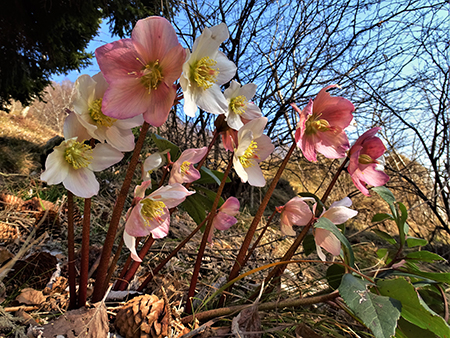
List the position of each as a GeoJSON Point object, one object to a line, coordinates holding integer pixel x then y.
{"type": "Point", "coordinates": [8, 233]}
{"type": "Point", "coordinates": [143, 317]}
{"type": "Point", "coordinates": [51, 224]}
{"type": "Point", "coordinates": [11, 200]}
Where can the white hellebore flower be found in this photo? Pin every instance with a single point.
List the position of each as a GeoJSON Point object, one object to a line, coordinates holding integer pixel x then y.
{"type": "Point", "coordinates": [205, 70]}
{"type": "Point", "coordinates": [239, 106]}
{"type": "Point", "coordinates": [153, 162]}
{"type": "Point", "coordinates": [253, 147]}
{"type": "Point", "coordinates": [87, 105]}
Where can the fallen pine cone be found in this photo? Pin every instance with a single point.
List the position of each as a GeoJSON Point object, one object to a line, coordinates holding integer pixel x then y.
{"type": "Point", "coordinates": [143, 317]}
{"type": "Point", "coordinates": [8, 233]}
{"type": "Point", "coordinates": [11, 200]}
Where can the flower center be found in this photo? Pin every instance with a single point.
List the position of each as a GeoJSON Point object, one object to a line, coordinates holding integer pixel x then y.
{"type": "Point", "coordinates": [249, 155]}
{"type": "Point", "coordinates": [152, 210]}
{"type": "Point", "coordinates": [203, 72]}
{"type": "Point", "coordinates": [79, 155]}
{"type": "Point", "coordinates": [315, 124]}
{"type": "Point", "coordinates": [100, 119]}
{"type": "Point", "coordinates": [238, 104]}
{"type": "Point", "coordinates": [152, 75]}
{"type": "Point", "coordinates": [366, 159]}
{"type": "Point", "coordinates": [185, 167]}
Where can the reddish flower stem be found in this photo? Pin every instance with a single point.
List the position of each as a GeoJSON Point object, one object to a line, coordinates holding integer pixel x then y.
{"type": "Point", "coordinates": [112, 267]}
{"type": "Point", "coordinates": [201, 250]}
{"type": "Point", "coordinates": [84, 269]}
{"type": "Point", "coordinates": [238, 265]}
{"type": "Point", "coordinates": [101, 284]}
{"type": "Point", "coordinates": [125, 266]}
{"type": "Point", "coordinates": [71, 252]}
{"type": "Point", "coordinates": [156, 270]}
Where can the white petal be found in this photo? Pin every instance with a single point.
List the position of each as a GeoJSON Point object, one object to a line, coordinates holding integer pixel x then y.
{"type": "Point", "coordinates": [104, 156]}
{"type": "Point", "coordinates": [74, 128]}
{"type": "Point", "coordinates": [232, 90]}
{"type": "Point", "coordinates": [339, 215]}
{"type": "Point", "coordinates": [248, 90]}
{"type": "Point", "coordinates": [130, 123]}
{"type": "Point", "coordinates": [345, 202]}
{"type": "Point", "coordinates": [100, 85]}
{"type": "Point", "coordinates": [255, 176]}
{"type": "Point", "coordinates": [121, 139]}
{"type": "Point", "coordinates": [56, 168]}
{"type": "Point", "coordinates": [212, 100]}
{"type": "Point", "coordinates": [154, 161]}
{"type": "Point", "coordinates": [227, 69]}
{"type": "Point", "coordinates": [130, 242]}
{"type": "Point", "coordinates": [84, 93]}
{"type": "Point", "coordinates": [81, 183]}
{"type": "Point", "coordinates": [239, 169]}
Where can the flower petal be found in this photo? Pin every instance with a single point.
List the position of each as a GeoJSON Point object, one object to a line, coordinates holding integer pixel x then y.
{"type": "Point", "coordinates": [74, 128]}
{"type": "Point", "coordinates": [255, 176]}
{"type": "Point", "coordinates": [171, 195]}
{"type": "Point", "coordinates": [104, 156]}
{"type": "Point", "coordinates": [231, 206]}
{"type": "Point", "coordinates": [82, 183]}
{"type": "Point", "coordinates": [222, 221]}
{"type": "Point", "coordinates": [56, 167]}
{"type": "Point", "coordinates": [339, 215]}
{"type": "Point", "coordinates": [120, 139]}
{"type": "Point", "coordinates": [130, 243]}
{"type": "Point", "coordinates": [328, 241]}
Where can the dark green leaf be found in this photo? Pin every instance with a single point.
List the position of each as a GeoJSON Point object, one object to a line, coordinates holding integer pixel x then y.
{"type": "Point", "coordinates": [210, 195]}
{"type": "Point", "coordinates": [210, 176]}
{"type": "Point", "coordinates": [381, 253]}
{"type": "Point", "coordinates": [325, 223]}
{"type": "Point", "coordinates": [413, 242]}
{"type": "Point", "coordinates": [385, 194]}
{"type": "Point", "coordinates": [388, 238]}
{"type": "Point", "coordinates": [404, 213]}
{"type": "Point", "coordinates": [436, 276]}
{"type": "Point", "coordinates": [378, 313]}
{"type": "Point", "coordinates": [164, 144]}
{"type": "Point", "coordinates": [194, 208]}
{"type": "Point", "coordinates": [413, 309]}
{"type": "Point", "coordinates": [334, 275]}
{"type": "Point", "coordinates": [309, 244]}
{"type": "Point", "coordinates": [381, 217]}
{"type": "Point", "coordinates": [408, 330]}
{"type": "Point", "coordinates": [320, 206]}
{"type": "Point", "coordinates": [424, 256]}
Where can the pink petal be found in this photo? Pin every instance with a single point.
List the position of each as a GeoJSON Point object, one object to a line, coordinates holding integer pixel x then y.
{"type": "Point", "coordinates": [160, 102]}
{"type": "Point", "coordinates": [308, 147]}
{"type": "Point", "coordinates": [287, 230]}
{"type": "Point", "coordinates": [333, 144]}
{"type": "Point", "coordinates": [130, 243]}
{"type": "Point", "coordinates": [336, 110]}
{"type": "Point", "coordinates": [368, 134]}
{"type": "Point", "coordinates": [81, 183]}
{"type": "Point", "coordinates": [265, 147]}
{"type": "Point", "coordinates": [340, 214]}
{"type": "Point", "coordinates": [222, 221]}
{"type": "Point", "coordinates": [172, 64]}
{"type": "Point", "coordinates": [162, 229]}
{"type": "Point", "coordinates": [171, 195]}
{"type": "Point", "coordinates": [328, 241]}
{"type": "Point", "coordinates": [139, 191]}
{"type": "Point", "coordinates": [359, 184]}
{"type": "Point", "coordinates": [297, 211]}
{"type": "Point", "coordinates": [231, 206]}
{"type": "Point", "coordinates": [373, 147]}
{"type": "Point", "coordinates": [374, 177]}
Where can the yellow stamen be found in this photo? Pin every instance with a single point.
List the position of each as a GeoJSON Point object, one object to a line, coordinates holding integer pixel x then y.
{"type": "Point", "coordinates": [249, 154]}
{"type": "Point", "coordinates": [315, 124]}
{"type": "Point", "coordinates": [238, 104]}
{"type": "Point", "coordinates": [366, 159]}
{"type": "Point", "coordinates": [152, 75]}
{"type": "Point", "coordinates": [152, 210]}
{"type": "Point", "coordinates": [185, 167]}
{"type": "Point", "coordinates": [79, 155]}
{"type": "Point", "coordinates": [203, 72]}
{"type": "Point", "coordinates": [100, 119]}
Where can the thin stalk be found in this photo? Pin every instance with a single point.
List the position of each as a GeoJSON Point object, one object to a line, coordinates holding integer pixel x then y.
{"type": "Point", "coordinates": [135, 265]}
{"type": "Point", "coordinates": [71, 252]}
{"type": "Point", "coordinates": [201, 250]}
{"type": "Point", "coordinates": [156, 270]}
{"type": "Point", "coordinates": [125, 266]}
{"type": "Point", "coordinates": [238, 265]}
{"type": "Point", "coordinates": [112, 267]}
{"type": "Point", "coordinates": [99, 288]}
{"type": "Point", "coordinates": [84, 269]}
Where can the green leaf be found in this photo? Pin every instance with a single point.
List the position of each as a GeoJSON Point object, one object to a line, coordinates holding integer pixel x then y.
{"type": "Point", "coordinates": [404, 215]}
{"type": "Point", "coordinates": [413, 309]}
{"type": "Point", "coordinates": [164, 144]}
{"type": "Point", "coordinates": [424, 256]}
{"type": "Point", "coordinates": [209, 198]}
{"type": "Point", "coordinates": [378, 313]}
{"type": "Point", "coordinates": [320, 206]}
{"type": "Point", "coordinates": [194, 208]}
{"type": "Point", "coordinates": [406, 329]}
{"type": "Point", "coordinates": [309, 244]}
{"type": "Point", "coordinates": [413, 242]}
{"type": "Point", "coordinates": [210, 176]}
{"type": "Point", "coordinates": [381, 253]}
{"type": "Point", "coordinates": [388, 238]}
{"type": "Point", "coordinates": [334, 275]}
{"type": "Point", "coordinates": [385, 194]}
{"type": "Point", "coordinates": [381, 217]}
{"type": "Point", "coordinates": [435, 276]}
{"type": "Point", "coordinates": [325, 223]}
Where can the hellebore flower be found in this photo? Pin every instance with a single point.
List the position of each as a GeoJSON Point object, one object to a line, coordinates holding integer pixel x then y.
{"type": "Point", "coordinates": [338, 213]}
{"type": "Point", "coordinates": [141, 71]}
{"type": "Point", "coordinates": [87, 105]}
{"type": "Point", "coordinates": [73, 163]}
{"type": "Point", "coordinates": [153, 162]}
{"type": "Point", "coordinates": [205, 70]}
{"type": "Point", "coordinates": [321, 126]}
{"type": "Point", "coordinates": [294, 212]}
{"type": "Point", "coordinates": [239, 106]}
{"type": "Point", "coordinates": [151, 214]}
{"type": "Point", "coordinates": [363, 161]}
{"type": "Point", "coordinates": [183, 170]}
{"type": "Point", "coordinates": [224, 218]}
{"type": "Point", "coordinates": [253, 147]}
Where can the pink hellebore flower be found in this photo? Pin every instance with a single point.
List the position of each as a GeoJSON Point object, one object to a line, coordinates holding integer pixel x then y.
{"type": "Point", "coordinates": [253, 147]}
{"type": "Point", "coordinates": [141, 71]}
{"type": "Point", "coordinates": [363, 161]}
{"type": "Point", "coordinates": [205, 70]}
{"type": "Point", "coordinates": [87, 105]}
{"type": "Point", "coordinates": [338, 213]}
{"type": "Point", "coordinates": [321, 126]}
{"type": "Point", "coordinates": [224, 218]}
{"type": "Point", "coordinates": [294, 212]}
{"type": "Point", "coordinates": [151, 214]}
{"type": "Point", "coordinates": [183, 170]}
{"type": "Point", "coordinates": [239, 106]}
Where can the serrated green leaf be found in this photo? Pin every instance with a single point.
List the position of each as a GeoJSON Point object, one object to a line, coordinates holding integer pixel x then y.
{"type": "Point", "coordinates": [334, 275]}
{"type": "Point", "coordinates": [381, 217]}
{"type": "Point", "coordinates": [164, 144]}
{"type": "Point", "coordinates": [194, 208]}
{"type": "Point", "coordinates": [388, 238]}
{"type": "Point", "coordinates": [325, 223]}
{"type": "Point", "coordinates": [413, 309]}
{"type": "Point", "coordinates": [406, 329]}
{"type": "Point", "coordinates": [413, 242]}
{"type": "Point", "coordinates": [424, 256]}
{"type": "Point", "coordinates": [378, 313]}
{"type": "Point", "coordinates": [309, 244]}
{"type": "Point", "coordinates": [385, 194]}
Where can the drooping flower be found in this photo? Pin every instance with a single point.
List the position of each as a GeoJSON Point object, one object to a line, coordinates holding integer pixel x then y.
{"type": "Point", "coordinates": [153, 162]}
{"type": "Point", "coordinates": [239, 106]}
{"type": "Point", "coordinates": [73, 163]}
{"type": "Point", "coordinates": [87, 105]}
{"type": "Point", "coordinates": [338, 213]}
{"type": "Point", "coordinates": [253, 147]}
{"type": "Point", "coordinates": [141, 71]}
{"type": "Point", "coordinates": [321, 126]}
{"type": "Point", "coordinates": [363, 161]}
{"type": "Point", "coordinates": [294, 212]}
{"type": "Point", "coordinates": [151, 214]}
{"type": "Point", "coordinates": [183, 170]}
{"type": "Point", "coordinates": [224, 218]}
{"type": "Point", "coordinates": [205, 70]}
